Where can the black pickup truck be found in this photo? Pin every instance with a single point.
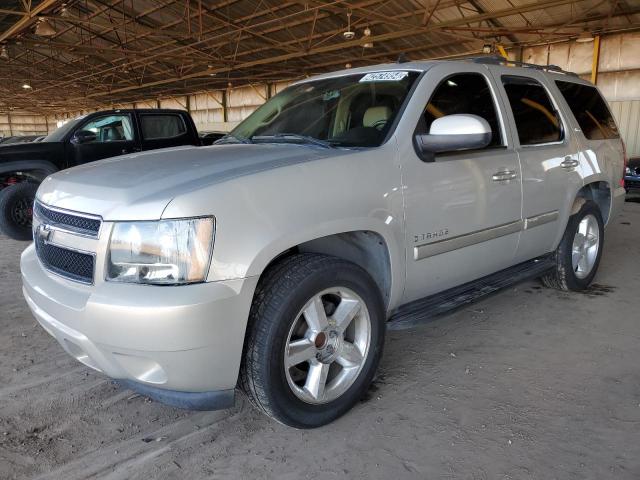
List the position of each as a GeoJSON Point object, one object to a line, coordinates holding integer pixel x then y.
{"type": "Point", "coordinates": [92, 137]}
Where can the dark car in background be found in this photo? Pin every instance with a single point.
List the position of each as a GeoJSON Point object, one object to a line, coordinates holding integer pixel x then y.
{"type": "Point", "coordinates": [632, 176]}
{"type": "Point", "coordinates": [85, 139]}
{"type": "Point", "coordinates": [20, 139]}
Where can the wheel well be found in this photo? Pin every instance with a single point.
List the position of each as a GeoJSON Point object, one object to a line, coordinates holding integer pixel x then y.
{"type": "Point", "coordinates": [365, 248]}
{"type": "Point", "coordinates": [10, 178]}
{"type": "Point", "coordinates": [598, 192]}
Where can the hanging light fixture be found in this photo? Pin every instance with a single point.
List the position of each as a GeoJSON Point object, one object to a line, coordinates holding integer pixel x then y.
{"type": "Point", "coordinates": [585, 37]}
{"type": "Point", "coordinates": [349, 34]}
{"type": "Point", "coordinates": [26, 86]}
{"type": "Point", "coordinates": [4, 53]}
{"type": "Point", "coordinates": [366, 33]}
{"type": "Point", "coordinates": [44, 28]}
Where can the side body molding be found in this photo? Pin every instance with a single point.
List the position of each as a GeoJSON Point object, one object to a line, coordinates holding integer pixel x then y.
{"type": "Point", "coordinates": [447, 245]}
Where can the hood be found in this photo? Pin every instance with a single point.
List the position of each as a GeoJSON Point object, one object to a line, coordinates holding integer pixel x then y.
{"type": "Point", "coordinates": [27, 151]}
{"type": "Point", "coordinates": [139, 186]}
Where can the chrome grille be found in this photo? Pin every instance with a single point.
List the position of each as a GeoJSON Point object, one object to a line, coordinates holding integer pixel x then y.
{"type": "Point", "coordinates": [83, 225]}
{"type": "Point", "coordinates": [76, 266]}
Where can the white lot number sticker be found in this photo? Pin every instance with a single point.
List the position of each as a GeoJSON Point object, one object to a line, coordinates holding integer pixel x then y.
{"type": "Point", "coordinates": [384, 77]}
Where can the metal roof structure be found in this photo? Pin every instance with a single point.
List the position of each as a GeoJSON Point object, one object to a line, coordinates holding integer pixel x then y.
{"type": "Point", "coordinates": [67, 55]}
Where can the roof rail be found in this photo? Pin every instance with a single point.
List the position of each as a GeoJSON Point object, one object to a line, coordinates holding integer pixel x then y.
{"type": "Point", "coordinates": [500, 60]}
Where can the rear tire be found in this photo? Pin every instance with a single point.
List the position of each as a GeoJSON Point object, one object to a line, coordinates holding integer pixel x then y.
{"type": "Point", "coordinates": [16, 210]}
{"type": "Point", "coordinates": [579, 253]}
{"type": "Point", "coordinates": [314, 341]}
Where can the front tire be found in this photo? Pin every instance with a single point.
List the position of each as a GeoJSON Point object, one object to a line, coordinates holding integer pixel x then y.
{"type": "Point", "coordinates": [16, 210]}
{"type": "Point", "coordinates": [316, 333]}
{"type": "Point", "coordinates": [579, 253]}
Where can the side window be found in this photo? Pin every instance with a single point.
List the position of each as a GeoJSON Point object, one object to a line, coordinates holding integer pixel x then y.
{"type": "Point", "coordinates": [536, 118]}
{"type": "Point", "coordinates": [464, 93]}
{"type": "Point", "coordinates": [112, 128]}
{"type": "Point", "coordinates": [590, 110]}
{"type": "Point", "coordinates": [161, 126]}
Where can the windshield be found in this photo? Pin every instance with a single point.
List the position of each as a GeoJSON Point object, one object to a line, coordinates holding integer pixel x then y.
{"type": "Point", "coordinates": [354, 110]}
{"type": "Point", "coordinates": [59, 134]}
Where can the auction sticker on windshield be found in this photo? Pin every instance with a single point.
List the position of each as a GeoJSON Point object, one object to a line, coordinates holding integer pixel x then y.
{"type": "Point", "coordinates": [384, 76]}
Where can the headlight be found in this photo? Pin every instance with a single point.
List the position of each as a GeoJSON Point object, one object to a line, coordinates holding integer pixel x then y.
{"type": "Point", "coordinates": [164, 252]}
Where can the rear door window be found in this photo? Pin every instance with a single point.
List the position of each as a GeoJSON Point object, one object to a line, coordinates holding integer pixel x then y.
{"type": "Point", "coordinates": [536, 118]}
{"type": "Point", "coordinates": [156, 126]}
{"type": "Point", "coordinates": [590, 109]}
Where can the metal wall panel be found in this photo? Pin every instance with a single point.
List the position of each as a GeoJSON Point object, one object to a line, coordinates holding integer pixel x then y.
{"type": "Point", "coordinates": [627, 114]}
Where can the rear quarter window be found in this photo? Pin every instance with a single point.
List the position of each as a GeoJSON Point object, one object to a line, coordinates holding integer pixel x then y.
{"type": "Point", "coordinates": [590, 110]}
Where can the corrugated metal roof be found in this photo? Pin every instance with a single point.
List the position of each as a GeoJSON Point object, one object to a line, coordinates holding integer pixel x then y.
{"type": "Point", "coordinates": [101, 53]}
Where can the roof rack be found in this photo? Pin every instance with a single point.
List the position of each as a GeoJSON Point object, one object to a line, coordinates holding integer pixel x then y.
{"type": "Point", "coordinates": [500, 60]}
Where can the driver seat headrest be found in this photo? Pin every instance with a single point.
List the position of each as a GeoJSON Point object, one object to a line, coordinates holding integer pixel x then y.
{"type": "Point", "coordinates": [376, 115]}
{"type": "Point", "coordinates": [113, 134]}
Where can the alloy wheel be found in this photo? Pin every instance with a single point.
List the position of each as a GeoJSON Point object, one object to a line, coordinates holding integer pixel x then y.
{"type": "Point", "coordinates": [327, 345]}
{"type": "Point", "coordinates": [586, 243]}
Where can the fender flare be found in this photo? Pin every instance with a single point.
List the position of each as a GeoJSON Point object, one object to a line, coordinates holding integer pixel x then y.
{"type": "Point", "coordinates": [47, 168]}
{"type": "Point", "coordinates": [577, 205]}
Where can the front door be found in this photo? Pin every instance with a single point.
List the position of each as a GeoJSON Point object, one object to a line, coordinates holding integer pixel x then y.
{"type": "Point", "coordinates": [112, 135]}
{"type": "Point", "coordinates": [463, 210]}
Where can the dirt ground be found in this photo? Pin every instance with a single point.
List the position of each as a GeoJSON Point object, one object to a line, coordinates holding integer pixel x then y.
{"type": "Point", "coordinates": [527, 384]}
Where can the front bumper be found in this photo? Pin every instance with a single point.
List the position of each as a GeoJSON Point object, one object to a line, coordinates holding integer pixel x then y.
{"type": "Point", "coordinates": [632, 182]}
{"type": "Point", "coordinates": [169, 339]}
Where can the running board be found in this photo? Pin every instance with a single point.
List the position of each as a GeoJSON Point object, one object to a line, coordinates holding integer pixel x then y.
{"type": "Point", "coordinates": [427, 308]}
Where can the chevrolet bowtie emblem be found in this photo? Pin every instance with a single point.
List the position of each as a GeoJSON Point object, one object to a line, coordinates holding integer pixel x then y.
{"type": "Point", "coordinates": [44, 233]}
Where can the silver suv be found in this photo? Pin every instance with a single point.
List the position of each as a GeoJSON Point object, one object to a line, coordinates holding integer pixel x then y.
{"type": "Point", "coordinates": [273, 259]}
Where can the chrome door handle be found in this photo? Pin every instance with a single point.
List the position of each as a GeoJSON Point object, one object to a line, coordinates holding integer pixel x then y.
{"type": "Point", "coordinates": [504, 175]}
{"type": "Point", "coordinates": [569, 163]}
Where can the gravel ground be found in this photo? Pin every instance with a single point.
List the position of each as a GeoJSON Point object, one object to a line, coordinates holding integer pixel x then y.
{"type": "Point", "coordinates": [529, 383]}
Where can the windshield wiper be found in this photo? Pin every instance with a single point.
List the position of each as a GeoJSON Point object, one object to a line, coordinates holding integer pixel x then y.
{"type": "Point", "coordinates": [230, 138]}
{"type": "Point", "coordinates": [291, 138]}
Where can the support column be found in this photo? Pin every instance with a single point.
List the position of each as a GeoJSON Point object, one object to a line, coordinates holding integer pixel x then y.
{"type": "Point", "coordinates": [596, 60]}
{"type": "Point", "coordinates": [502, 51]}
{"type": "Point", "coordinates": [225, 114]}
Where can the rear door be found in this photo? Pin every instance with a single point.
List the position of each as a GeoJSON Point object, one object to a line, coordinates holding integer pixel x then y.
{"type": "Point", "coordinates": [602, 150]}
{"type": "Point", "coordinates": [163, 129]}
{"type": "Point", "coordinates": [549, 156]}
{"type": "Point", "coordinates": [463, 210]}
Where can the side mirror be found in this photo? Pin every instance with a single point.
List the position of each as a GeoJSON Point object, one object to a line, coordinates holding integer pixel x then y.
{"type": "Point", "coordinates": [453, 133]}
{"type": "Point", "coordinates": [83, 136]}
